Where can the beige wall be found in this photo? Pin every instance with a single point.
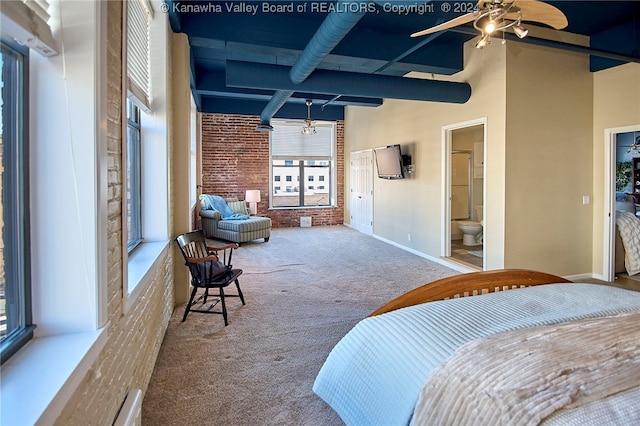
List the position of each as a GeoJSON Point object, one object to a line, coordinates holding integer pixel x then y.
{"type": "Point", "coordinates": [549, 121]}
{"type": "Point", "coordinates": [179, 122]}
{"type": "Point", "coordinates": [415, 205]}
{"type": "Point", "coordinates": [616, 103]}
{"type": "Point", "coordinates": [542, 113]}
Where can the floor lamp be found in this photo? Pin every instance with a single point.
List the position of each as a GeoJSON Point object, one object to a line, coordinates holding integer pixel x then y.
{"type": "Point", "coordinates": [252, 196]}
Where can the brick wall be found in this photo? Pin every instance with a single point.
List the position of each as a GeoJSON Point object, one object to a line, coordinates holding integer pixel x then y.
{"type": "Point", "coordinates": [235, 157]}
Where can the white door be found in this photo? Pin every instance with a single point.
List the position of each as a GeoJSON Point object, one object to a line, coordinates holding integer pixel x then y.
{"type": "Point", "coordinates": [362, 191]}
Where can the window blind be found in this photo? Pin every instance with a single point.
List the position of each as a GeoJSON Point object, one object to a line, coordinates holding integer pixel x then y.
{"type": "Point", "coordinates": [27, 22]}
{"type": "Point", "coordinates": [287, 142]}
{"type": "Point", "coordinates": [139, 15]}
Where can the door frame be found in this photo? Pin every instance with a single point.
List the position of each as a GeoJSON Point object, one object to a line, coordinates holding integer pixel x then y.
{"type": "Point", "coordinates": [608, 265]}
{"type": "Point", "coordinates": [445, 229]}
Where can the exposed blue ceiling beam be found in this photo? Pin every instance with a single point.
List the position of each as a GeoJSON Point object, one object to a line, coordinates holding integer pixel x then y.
{"type": "Point", "coordinates": [408, 52]}
{"type": "Point", "coordinates": [274, 77]}
{"type": "Point", "coordinates": [335, 26]}
{"type": "Point", "coordinates": [288, 110]}
{"type": "Point", "coordinates": [212, 83]}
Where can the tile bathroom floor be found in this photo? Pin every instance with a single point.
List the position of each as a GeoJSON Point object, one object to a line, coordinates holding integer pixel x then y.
{"type": "Point", "coordinates": [472, 255]}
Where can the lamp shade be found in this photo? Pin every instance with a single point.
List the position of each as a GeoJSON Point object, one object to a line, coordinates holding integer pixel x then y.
{"type": "Point", "coordinates": [252, 196]}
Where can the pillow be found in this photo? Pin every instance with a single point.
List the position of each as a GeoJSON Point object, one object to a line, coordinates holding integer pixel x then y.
{"type": "Point", "coordinates": [629, 227]}
{"type": "Point", "coordinates": [239, 207]}
{"type": "Point", "coordinates": [209, 270]}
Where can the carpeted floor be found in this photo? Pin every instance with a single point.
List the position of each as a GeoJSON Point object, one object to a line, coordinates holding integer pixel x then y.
{"type": "Point", "coordinates": [304, 290]}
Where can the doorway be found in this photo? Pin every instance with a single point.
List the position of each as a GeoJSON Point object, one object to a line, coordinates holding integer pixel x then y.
{"type": "Point", "coordinates": [616, 146]}
{"type": "Point", "coordinates": [464, 194]}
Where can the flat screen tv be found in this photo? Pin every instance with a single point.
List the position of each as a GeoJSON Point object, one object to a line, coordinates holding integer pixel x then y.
{"type": "Point", "coordinates": [389, 162]}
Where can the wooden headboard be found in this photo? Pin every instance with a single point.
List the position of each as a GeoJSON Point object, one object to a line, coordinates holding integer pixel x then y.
{"type": "Point", "coordinates": [470, 284]}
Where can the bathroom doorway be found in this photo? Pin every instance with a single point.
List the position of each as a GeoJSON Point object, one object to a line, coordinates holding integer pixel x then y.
{"type": "Point", "coordinates": [464, 194]}
{"type": "Point", "coordinates": [617, 144]}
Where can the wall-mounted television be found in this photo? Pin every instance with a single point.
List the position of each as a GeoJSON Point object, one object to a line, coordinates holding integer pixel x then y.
{"type": "Point", "coordinates": [389, 162]}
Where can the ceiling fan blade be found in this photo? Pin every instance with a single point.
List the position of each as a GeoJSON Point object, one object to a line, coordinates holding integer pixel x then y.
{"type": "Point", "coordinates": [460, 20]}
{"type": "Point", "coordinates": [538, 11]}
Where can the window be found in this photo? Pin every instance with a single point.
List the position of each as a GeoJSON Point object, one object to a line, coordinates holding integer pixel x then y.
{"type": "Point", "coordinates": [15, 288]}
{"type": "Point", "coordinates": [276, 178]}
{"type": "Point", "coordinates": [305, 157]}
{"type": "Point", "coordinates": [144, 149]}
{"type": "Point", "coordinates": [134, 193]}
{"type": "Point", "coordinates": [139, 18]}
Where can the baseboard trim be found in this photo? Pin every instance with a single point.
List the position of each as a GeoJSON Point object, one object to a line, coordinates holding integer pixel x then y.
{"type": "Point", "coordinates": [585, 276]}
{"type": "Point", "coordinates": [444, 262]}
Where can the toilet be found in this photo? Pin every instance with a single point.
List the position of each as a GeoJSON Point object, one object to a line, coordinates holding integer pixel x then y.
{"type": "Point", "coordinates": [472, 230]}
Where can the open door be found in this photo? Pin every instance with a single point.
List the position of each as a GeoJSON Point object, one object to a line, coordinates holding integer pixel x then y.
{"type": "Point", "coordinates": [464, 193]}
{"type": "Point", "coordinates": [613, 153]}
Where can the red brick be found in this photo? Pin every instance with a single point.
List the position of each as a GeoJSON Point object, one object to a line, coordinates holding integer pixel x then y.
{"type": "Point", "coordinates": [235, 157]}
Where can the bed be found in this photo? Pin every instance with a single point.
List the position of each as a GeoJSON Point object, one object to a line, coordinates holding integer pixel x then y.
{"type": "Point", "coordinates": [548, 351]}
{"type": "Point", "coordinates": [627, 243]}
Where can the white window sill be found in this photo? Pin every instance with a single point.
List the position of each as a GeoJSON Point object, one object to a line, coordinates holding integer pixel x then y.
{"type": "Point", "coordinates": [37, 382]}
{"type": "Point", "coordinates": [139, 263]}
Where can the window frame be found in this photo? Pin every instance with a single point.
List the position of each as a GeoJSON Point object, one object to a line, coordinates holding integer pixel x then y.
{"type": "Point", "coordinates": [154, 159]}
{"type": "Point", "coordinates": [134, 176]}
{"type": "Point", "coordinates": [15, 193]}
{"type": "Point", "coordinates": [300, 163]}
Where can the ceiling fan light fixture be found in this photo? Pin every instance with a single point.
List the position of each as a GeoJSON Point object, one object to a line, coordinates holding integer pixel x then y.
{"type": "Point", "coordinates": [483, 41]}
{"type": "Point", "coordinates": [520, 31]}
{"type": "Point", "coordinates": [309, 126]}
{"type": "Point", "coordinates": [490, 27]}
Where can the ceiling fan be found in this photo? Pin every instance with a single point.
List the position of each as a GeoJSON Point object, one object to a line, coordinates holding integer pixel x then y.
{"type": "Point", "coordinates": [500, 15]}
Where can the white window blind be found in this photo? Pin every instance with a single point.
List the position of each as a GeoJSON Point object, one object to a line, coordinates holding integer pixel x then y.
{"type": "Point", "coordinates": [287, 142]}
{"type": "Point", "coordinates": [139, 16]}
{"type": "Point", "coordinates": [27, 22]}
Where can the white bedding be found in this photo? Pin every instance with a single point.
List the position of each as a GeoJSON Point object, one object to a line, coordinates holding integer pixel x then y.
{"type": "Point", "coordinates": [521, 377]}
{"type": "Point", "coordinates": [375, 373]}
{"type": "Point", "coordinates": [629, 227]}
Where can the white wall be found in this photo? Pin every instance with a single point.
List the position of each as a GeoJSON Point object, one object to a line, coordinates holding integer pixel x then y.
{"type": "Point", "coordinates": [66, 227]}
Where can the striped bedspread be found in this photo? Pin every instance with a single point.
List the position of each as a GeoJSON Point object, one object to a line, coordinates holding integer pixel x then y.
{"type": "Point", "coordinates": [374, 375]}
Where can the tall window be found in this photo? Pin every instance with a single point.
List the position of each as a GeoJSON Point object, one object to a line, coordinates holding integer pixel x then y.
{"type": "Point", "coordinates": [301, 158]}
{"type": "Point", "coordinates": [15, 291]}
{"type": "Point", "coordinates": [139, 16]}
{"type": "Point", "coordinates": [134, 181]}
